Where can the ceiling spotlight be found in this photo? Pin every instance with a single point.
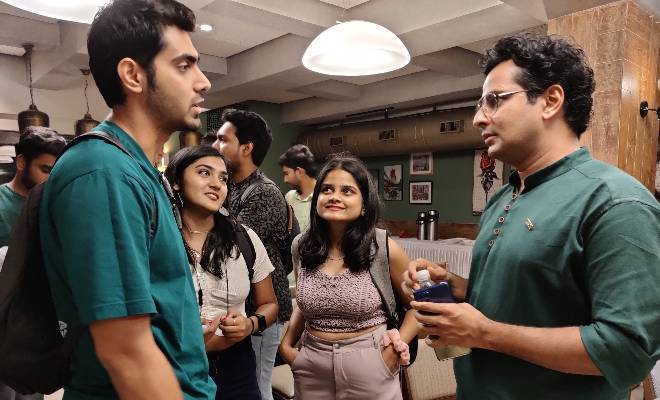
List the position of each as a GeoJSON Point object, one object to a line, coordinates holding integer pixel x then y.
{"type": "Point", "coordinates": [205, 28]}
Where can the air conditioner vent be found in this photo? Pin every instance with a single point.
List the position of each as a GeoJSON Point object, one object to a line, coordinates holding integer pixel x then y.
{"type": "Point", "coordinates": [451, 126]}
{"type": "Point", "coordinates": [337, 141]}
{"type": "Point", "coordinates": [388, 135]}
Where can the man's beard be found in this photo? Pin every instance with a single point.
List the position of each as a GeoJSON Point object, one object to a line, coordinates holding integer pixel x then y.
{"type": "Point", "coordinates": [232, 167]}
{"type": "Point", "coordinates": [164, 111]}
{"type": "Point", "coordinates": [27, 181]}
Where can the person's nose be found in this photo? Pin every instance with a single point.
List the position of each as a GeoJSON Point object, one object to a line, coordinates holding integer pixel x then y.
{"type": "Point", "coordinates": [480, 120]}
{"type": "Point", "coordinates": [203, 84]}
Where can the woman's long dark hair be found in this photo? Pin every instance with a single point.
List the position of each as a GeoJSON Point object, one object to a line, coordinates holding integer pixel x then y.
{"type": "Point", "coordinates": [360, 234]}
{"type": "Point", "coordinates": [221, 240]}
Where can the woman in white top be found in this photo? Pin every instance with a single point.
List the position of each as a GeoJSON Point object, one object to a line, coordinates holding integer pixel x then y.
{"type": "Point", "coordinates": [220, 273]}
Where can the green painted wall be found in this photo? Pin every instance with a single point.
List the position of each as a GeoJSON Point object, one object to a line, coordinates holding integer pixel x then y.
{"type": "Point", "coordinates": [452, 187]}
{"type": "Point", "coordinates": [452, 173]}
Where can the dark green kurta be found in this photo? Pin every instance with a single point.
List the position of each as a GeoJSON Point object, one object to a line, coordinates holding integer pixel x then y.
{"type": "Point", "coordinates": [580, 246]}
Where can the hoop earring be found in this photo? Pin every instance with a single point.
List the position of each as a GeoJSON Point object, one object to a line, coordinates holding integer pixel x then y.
{"type": "Point", "coordinates": [223, 211]}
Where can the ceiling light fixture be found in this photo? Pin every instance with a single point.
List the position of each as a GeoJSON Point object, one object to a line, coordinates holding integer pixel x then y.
{"type": "Point", "coordinates": [356, 48]}
{"type": "Point", "coordinates": [32, 116]}
{"type": "Point", "coordinates": [67, 10]}
{"type": "Point", "coordinates": [205, 28]}
{"type": "Point", "coordinates": [87, 123]}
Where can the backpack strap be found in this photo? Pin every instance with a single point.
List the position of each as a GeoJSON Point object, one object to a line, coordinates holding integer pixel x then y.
{"type": "Point", "coordinates": [247, 249]}
{"type": "Point", "coordinates": [380, 274]}
{"type": "Point", "coordinates": [263, 180]}
{"type": "Point", "coordinates": [108, 138]}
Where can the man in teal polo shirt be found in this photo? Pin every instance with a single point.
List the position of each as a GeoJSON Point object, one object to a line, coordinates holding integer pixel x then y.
{"type": "Point", "coordinates": [128, 287]}
{"type": "Point", "coordinates": [564, 290]}
{"type": "Point", "coordinates": [36, 151]}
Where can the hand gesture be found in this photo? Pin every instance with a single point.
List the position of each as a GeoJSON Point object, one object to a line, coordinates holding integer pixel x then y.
{"type": "Point", "coordinates": [451, 324]}
{"type": "Point", "coordinates": [437, 271]}
{"type": "Point", "coordinates": [236, 327]}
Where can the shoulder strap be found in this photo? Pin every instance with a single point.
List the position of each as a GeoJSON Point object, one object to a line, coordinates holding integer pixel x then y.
{"type": "Point", "coordinates": [108, 138]}
{"type": "Point", "coordinates": [247, 249]}
{"type": "Point", "coordinates": [290, 216]}
{"type": "Point", "coordinates": [380, 274]}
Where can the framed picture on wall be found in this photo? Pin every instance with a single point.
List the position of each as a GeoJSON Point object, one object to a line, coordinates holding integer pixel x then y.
{"type": "Point", "coordinates": [392, 182]}
{"type": "Point", "coordinates": [421, 192]}
{"type": "Point", "coordinates": [421, 163]}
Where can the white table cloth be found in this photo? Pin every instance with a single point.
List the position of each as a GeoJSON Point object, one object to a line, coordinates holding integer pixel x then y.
{"type": "Point", "coordinates": [456, 252]}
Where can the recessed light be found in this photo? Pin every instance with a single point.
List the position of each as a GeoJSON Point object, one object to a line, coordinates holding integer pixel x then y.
{"type": "Point", "coordinates": [205, 28]}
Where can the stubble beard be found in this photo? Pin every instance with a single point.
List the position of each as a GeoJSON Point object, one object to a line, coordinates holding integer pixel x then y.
{"type": "Point", "coordinates": [27, 181]}
{"type": "Point", "coordinates": [163, 111]}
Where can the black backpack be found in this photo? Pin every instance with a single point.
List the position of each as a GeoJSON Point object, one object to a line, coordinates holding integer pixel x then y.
{"type": "Point", "coordinates": [35, 351]}
{"type": "Point", "coordinates": [292, 227]}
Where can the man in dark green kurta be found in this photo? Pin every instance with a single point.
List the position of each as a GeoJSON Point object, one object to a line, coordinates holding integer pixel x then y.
{"type": "Point", "coordinates": [564, 290]}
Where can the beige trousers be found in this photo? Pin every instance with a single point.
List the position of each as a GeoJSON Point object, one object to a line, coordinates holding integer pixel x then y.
{"type": "Point", "coordinates": [344, 370]}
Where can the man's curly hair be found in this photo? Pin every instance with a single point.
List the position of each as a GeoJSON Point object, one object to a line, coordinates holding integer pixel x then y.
{"type": "Point", "coordinates": [545, 61]}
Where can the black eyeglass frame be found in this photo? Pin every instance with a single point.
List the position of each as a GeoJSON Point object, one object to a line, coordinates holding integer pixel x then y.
{"type": "Point", "coordinates": [498, 100]}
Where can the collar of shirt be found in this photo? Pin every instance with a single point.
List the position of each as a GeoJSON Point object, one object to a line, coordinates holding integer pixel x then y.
{"type": "Point", "coordinates": [130, 144]}
{"type": "Point", "coordinates": [240, 186]}
{"type": "Point", "coordinates": [552, 171]}
{"type": "Point", "coordinates": [304, 200]}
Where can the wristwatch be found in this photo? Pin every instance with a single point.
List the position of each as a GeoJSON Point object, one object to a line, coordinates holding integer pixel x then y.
{"type": "Point", "coordinates": [262, 324]}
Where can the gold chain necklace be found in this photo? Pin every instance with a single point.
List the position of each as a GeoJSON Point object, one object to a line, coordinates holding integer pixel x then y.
{"type": "Point", "coordinates": [193, 232]}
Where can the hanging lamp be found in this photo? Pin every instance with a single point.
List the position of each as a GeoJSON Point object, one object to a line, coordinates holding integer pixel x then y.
{"type": "Point", "coordinates": [32, 116]}
{"type": "Point", "coordinates": [355, 48]}
{"type": "Point", "coordinates": [87, 123]}
{"type": "Point", "coordinates": [189, 139]}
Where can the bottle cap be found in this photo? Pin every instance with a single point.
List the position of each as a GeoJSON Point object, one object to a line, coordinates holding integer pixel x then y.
{"type": "Point", "coordinates": [423, 275]}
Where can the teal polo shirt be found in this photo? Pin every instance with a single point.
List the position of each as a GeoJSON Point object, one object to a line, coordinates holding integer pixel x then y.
{"type": "Point", "coordinates": [580, 246]}
{"type": "Point", "coordinates": [102, 262]}
{"type": "Point", "coordinates": [11, 204]}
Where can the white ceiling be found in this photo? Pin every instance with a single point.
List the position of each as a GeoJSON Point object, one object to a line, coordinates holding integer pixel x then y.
{"type": "Point", "coordinates": [254, 51]}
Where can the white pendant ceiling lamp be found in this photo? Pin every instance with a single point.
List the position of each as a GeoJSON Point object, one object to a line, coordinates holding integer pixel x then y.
{"type": "Point", "coordinates": [67, 10]}
{"type": "Point", "coordinates": [355, 48]}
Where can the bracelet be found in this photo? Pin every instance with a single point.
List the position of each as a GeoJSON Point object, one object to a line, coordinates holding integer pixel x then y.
{"type": "Point", "coordinates": [252, 322]}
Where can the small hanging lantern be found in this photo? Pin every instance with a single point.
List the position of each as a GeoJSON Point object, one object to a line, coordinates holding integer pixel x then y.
{"type": "Point", "coordinates": [189, 139]}
{"type": "Point", "coordinates": [87, 123]}
{"type": "Point", "coordinates": [32, 116]}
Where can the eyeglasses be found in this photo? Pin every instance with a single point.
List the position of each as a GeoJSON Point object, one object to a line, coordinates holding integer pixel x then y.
{"type": "Point", "coordinates": [489, 102]}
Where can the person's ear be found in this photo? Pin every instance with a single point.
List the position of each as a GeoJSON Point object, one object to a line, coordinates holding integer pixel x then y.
{"type": "Point", "coordinates": [132, 76]}
{"type": "Point", "coordinates": [176, 187]}
{"type": "Point", "coordinates": [553, 99]}
{"type": "Point", "coordinates": [247, 149]}
{"type": "Point", "coordinates": [21, 163]}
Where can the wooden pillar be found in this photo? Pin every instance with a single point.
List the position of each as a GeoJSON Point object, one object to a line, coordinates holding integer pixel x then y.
{"type": "Point", "coordinates": [622, 42]}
